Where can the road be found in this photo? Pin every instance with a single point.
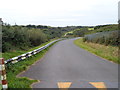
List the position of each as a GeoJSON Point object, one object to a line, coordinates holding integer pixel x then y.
{"type": "Point", "coordinates": [66, 65]}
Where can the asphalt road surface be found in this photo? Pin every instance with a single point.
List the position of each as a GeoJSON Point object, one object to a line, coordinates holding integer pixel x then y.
{"type": "Point", "coordinates": [66, 65]}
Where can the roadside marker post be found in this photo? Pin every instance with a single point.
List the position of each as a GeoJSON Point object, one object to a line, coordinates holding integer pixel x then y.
{"type": "Point", "coordinates": [3, 74]}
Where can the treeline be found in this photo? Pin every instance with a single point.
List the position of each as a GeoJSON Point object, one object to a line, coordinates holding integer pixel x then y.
{"type": "Point", "coordinates": [15, 37]}
{"type": "Point", "coordinates": [53, 32]}
{"type": "Point", "coordinates": [104, 28]}
{"type": "Point", "coordinates": [80, 32]}
{"type": "Point", "coordinates": [24, 37]}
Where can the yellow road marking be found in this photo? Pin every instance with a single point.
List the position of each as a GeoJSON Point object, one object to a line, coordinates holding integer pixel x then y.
{"type": "Point", "coordinates": [64, 85]}
{"type": "Point", "coordinates": [99, 85]}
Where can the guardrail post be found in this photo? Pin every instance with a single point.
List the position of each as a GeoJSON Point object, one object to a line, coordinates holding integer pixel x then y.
{"type": "Point", "coordinates": [3, 74]}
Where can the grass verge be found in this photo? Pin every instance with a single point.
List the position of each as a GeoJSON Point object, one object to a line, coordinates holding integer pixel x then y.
{"type": "Point", "coordinates": [107, 52]}
{"type": "Point", "coordinates": [14, 69]}
{"type": "Point", "coordinates": [11, 54]}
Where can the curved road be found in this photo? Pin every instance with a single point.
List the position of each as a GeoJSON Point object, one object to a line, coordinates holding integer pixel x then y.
{"type": "Point", "coordinates": [66, 65]}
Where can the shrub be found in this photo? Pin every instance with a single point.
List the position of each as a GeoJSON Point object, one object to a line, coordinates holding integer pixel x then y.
{"type": "Point", "coordinates": [16, 37]}
{"type": "Point", "coordinates": [106, 38]}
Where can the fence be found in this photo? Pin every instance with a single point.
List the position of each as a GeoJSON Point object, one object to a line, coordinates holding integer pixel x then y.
{"type": "Point", "coordinates": [17, 59]}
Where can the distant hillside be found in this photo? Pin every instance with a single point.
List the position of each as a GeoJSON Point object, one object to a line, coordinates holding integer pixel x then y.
{"type": "Point", "coordinates": [104, 28]}
{"type": "Point", "coordinates": [78, 32]}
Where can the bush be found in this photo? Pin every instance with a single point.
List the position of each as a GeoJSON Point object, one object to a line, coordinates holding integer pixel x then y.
{"type": "Point", "coordinates": [80, 32]}
{"type": "Point", "coordinates": [106, 38]}
{"type": "Point", "coordinates": [36, 37]}
{"type": "Point", "coordinates": [16, 37]}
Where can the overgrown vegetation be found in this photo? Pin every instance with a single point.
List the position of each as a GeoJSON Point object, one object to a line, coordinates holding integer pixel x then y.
{"type": "Point", "coordinates": [25, 37]}
{"type": "Point", "coordinates": [101, 28]}
{"type": "Point", "coordinates": [11, 54]}
{"type": "Point", "coordinates": [106, 38]}
{"type": "Point", "coordinates": [80, 32]}
{"type": "Point", "coordinates": [19, 38]}
{"type": "Point", "coordinates": [77, 32]}
{"type": "Point", "coordinates": [107, 52]}
{"type": "Point", "coordinates": [102, 34]}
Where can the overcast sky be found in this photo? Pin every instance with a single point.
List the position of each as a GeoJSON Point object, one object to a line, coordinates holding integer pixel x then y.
{"type": "Point", "coordinates": [59, 12]}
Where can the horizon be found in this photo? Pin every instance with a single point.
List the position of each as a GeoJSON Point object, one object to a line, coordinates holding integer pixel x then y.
{"type": "Point", "coordinates": [62, 26]}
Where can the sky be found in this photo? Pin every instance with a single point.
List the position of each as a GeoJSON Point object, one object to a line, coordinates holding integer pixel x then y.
{"type": "Point", "coordinates": [59, 12]}
{"type": "Point", "coordinates": [119, 10]}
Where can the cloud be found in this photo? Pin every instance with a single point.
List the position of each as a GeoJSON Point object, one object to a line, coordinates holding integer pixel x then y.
{"type": "Point", "coordinates": [55, 12]}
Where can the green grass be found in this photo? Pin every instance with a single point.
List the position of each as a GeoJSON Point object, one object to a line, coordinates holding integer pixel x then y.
{"type": "Point", "coordinates": [90, 28]}
{"type": "Point", "coordinates": [106, 52]}
{"type": "Point", "coordinates": [0, 86]}
{"type": "Point", "coordinates": [14, 69]}
{"type": "Point", "coordinates": [68, 33]}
